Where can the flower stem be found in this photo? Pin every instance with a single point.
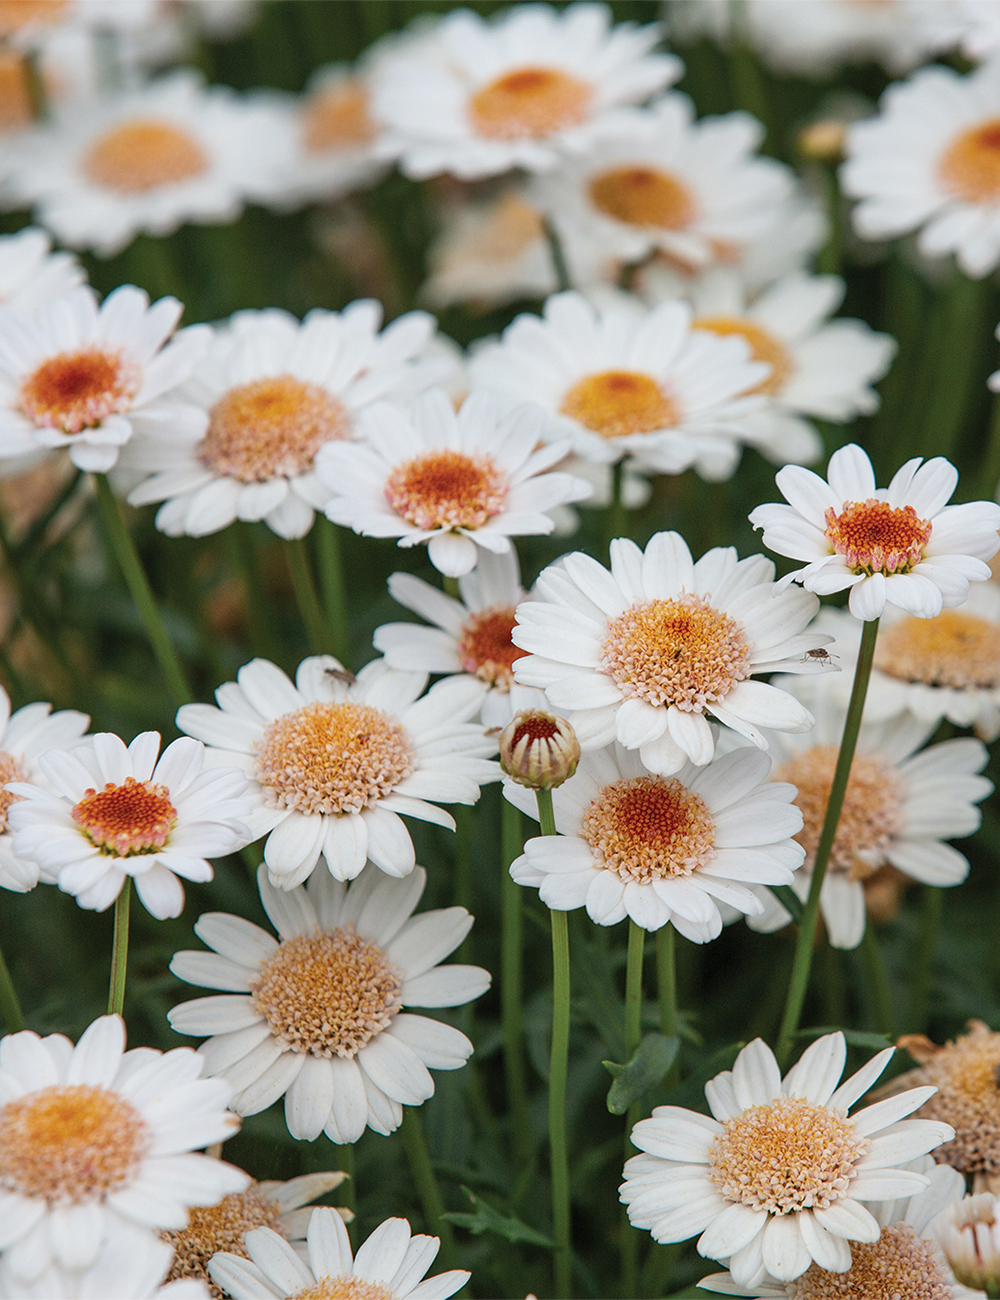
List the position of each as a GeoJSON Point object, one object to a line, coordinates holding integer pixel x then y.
{"type": "Point", "coordinates": [305, 595]}
{"type": "Point", "coordinates": [615, 516]}
{"type": "Point", "coordinates": [10, 1006]}
{"type": "Point", "coordinates": [119, 953]}
{"type": "Point", "coordinates": [921, 979]}
{"type": "Point", "coordinates": [558, 1071]}
{"type": "Point", "coordinates": [451, 587]}
{"type": "Point", "coordinates": [512, 985]}
{"type": "Point", "coordinates": [331, 580]}
{"type": "Point", "coordinates": [666, 981]}
{"type": "Point", "coordinates": [138, 584]}
{"type": "Point", "coordinates": [810, 916]}
{"type": "Point", "coordinates": [426, 1183]}
{"type": "Point", "coordinates": [878, 984]}
{"type": "Point", "coordinates": [633, 1036]}
{"type": "Point", "coordinates": [563, 281]}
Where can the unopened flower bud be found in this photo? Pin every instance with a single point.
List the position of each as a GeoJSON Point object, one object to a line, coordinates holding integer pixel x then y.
{"type": "Point", "coordinates": [968, 1232]}
{"type": "Point", "coordinates": [823, 140]}
{"type": "Point", "coordinates": [539, 750]}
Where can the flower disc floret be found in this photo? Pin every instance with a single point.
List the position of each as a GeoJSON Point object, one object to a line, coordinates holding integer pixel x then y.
{"type": "Point", "coordinates": [899, 1264]}
{"type": "Point", "coordinates": [127, 819]}
{"type": "Point", "coordinates": [529, 103]}
{"type": "Point", "coordinates": [219, 1227]}
{"type": "Point", "coordinates": [485, 648]}
{"type": "Point", "coordinates": [643, 196]}
{"type": "Point", "coordinates": [956, 649]}
{"type": "Point", "coordinates": [616, 403]}
{"type": "Point", "coordinates": [77, 390]}
{"type": "Point", "coordinates": [446, 489]}
{"type": "Point", "coordinates": [11, 769]}
{"type": "Point", "coordinates": [875, 537]}
{"type": "Point", "coordinates": [970, 167]}
{"type": "Point", "coordinates": [143, 154]}
{"type": "Point", "coordinates": [345, 1286]}
{"type": "Point", "coordinates": [649, 828]}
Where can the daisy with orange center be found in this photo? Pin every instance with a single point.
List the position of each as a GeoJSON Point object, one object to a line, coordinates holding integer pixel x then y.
{"type": "Point", "coordinates": [902, 545]}
{"type": "Point", "coordinates": [109, 812]}
{"type": "Point", "coordinates": [460, 481]}
{"type": "Point", "coordinates": [661, 849]}
{"type": "Point", "coordinates": [270, 393]}
{"type": "Point", "coordinates": [778, 1179]}
{"type": "Point", "coordinates": [477, 97]}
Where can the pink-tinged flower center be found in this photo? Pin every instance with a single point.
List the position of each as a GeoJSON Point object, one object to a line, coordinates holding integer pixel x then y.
{"type": "Point", "coordinates": [643, 196]}
{"type": "Point", "coordinates": [77, 390]}
{"type": "Point", "coordinates": [142, 155]}
{"type": "Point", "coordinates": [485, 647]}
{"type": "Point", "coordinates": [528, 103]}
{"type": "Point", "coordinates": [128, 819]}
{"type": "Point", "coordinates": [875, 537]}
{"type": "Point", "coordinates": [447, 489]}
{"type": "Point", "coordinates": [616, 403]}
{"type": "Point", "coordinates": [649, 828]}
{"type": "Point", "coordinates": [970, 167]}
{"type": "Point", "coordinates": [900, 1264]}
{"type": "Point", "coordinates": [70, 1144]}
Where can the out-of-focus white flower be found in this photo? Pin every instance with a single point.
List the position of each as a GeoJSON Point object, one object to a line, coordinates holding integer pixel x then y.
{"type": "Point", "coordinates": [31, 275]}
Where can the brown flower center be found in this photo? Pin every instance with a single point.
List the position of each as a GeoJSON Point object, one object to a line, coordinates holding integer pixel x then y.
{"type": "Point", "coordinates": [615, 403]}
{"type": "Point", "coordinates": [128, 819]}
{"type": "Point", "coordinates": [970, 167]}
{"type": "Point", "coordinates": [485, 647]}
{"type": "Point", "coordinates": [337, 117]}
{"type": "Point", "coordinates": [529, 103]}
{"type": "Point", "coordinates": [77, 390]}
{"type": "Point", "coordinates": [447, 489]}
{"type": "Point", "coordinates": [899, 1266]}
{"type": "Point", "coordinates": [219, 1227]}
{"type": "Point", "coordinates": [763, 347]}
{"type": "Point", "coordinates": [328, 993]}
{"type": "Point", "coordinates": [649, 828]}
{"type": "Point", "coordinates": [955, 649]}
{"type": "Point", "coordinates": [643, 196]}
{"type": "Point", "coordinates": [875, 537]}
{"type": "Point", "coordinates": [142, 155]}
{"type": "Point", "coordinates": [11, 769]}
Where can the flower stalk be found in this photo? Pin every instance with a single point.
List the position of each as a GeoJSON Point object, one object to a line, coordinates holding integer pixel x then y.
{"type": "Point", "coordinates": [633, 1037]}
{"type": "Point", "coordinates": [426, 1183]}
{"type": "Point", "coordinates": [512, 984]}
{"type": "Point", "coordinates": [10, 1005]}
{"type": "Point", "coordinates": [119, 951]}
{"type": "Point", "coordinates": [300, 572]}
{"type": "Point", "coordinates": [333, 587]}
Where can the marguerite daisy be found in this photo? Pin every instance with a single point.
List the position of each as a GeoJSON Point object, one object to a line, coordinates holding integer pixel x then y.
{"type": "Point", "coordinates": [475, 97]}
{"type": "Point", "coordinates": [390, 1265]}
{"type": "Point", "coordinates": [902, 544]}
{"type": "Point", "coordinates": [84, 376]}
{"type": "Point", "coordinates": [642, 654]}
{"type": "Point", "coordinates": [271, 392]}
{"type": "Point", "coordinates": [334, 761]}
{"type": "Point", "coordinates": [31, 274]}
{"type": "Point", "coordinates": [110, 812]}
{"type": "Point", "coordinates": [778, 1179]}
{"type": "Point", "coordinates": [316, 1016]}
{"type": "Point", "coordinates": [92, 1135]}
{"type": "Point", "coordinates": [455, 480]}
{"type": "Point", "coordinates": [662, 850]}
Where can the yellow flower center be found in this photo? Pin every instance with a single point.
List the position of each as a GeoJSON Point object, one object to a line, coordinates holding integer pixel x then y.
{"type": "Point", "coordinates": [344, 1287]}
{"type": "Point", "coordinates": [529, 103]}
{"type": "Point", "coordinates": [77, 390]}
{"type": "Point", "coordinates": [875, 537]}
{"type": "Point", "coordinates": [681, 652]}
{"type": "Point", "coordinates": [328, 993]}
{"type": "Point", "coordinates": [615, 403]}
{"type": "Point", "coordinates": [337, 117]}
{"type": "Point", "coordinates": [219, 1227]}
{"type": "Point", "coordinates": [788, 1155]}
{"type": "Point", "coordinates": [332, 758]}
{"type": "Point", "coordinates": [485, 647]}
{"type": "Point", "coordinates": [899, 1265]}
{"type": "Point", "coordinates": [643, 196]}
{"type": "Point", "coordinates": [11, 769]}
{"type": "Point", "coordinates": [447, 489]}
{"type": "Point", "coordinates": [970, 167]}
{"type": "Point", "coordinates": [955, 649]}
{"type": "Point", "coordinates": [763, 347]}
{"type": "Point", "coordinates": [143, 155]}
{"type": "Point", "coordinates": [125, 820]}
{"type": "Point", "coordinates": [70, 1144]}
{"type": "Point", "coordinates": [649, 828]}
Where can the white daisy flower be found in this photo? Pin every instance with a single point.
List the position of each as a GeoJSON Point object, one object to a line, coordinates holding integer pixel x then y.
{"type": "Point", "coordinates": [111, 812]}
{"type": "Point", "coordinates": [270, 393]}
{"type": "Point", "coordinates": [974, 26]}
{"type": "Point", "coordinates": [906, 1260]}
{"type": "Point", "coordinates": [317, 1016]}
{"type": "Point", "coordinates": [902, 803]}
{"type": "Point", "coordinates": [902, 545]}
{"type": "Point", "coordinates": [470, 636]}
{"type": "Point", "coordinates": [477, 97]}
{"type": "Point", "coordinates": [930, 162]}
{"type": "Point", "coordinates": [662, 850]}
{"type": "Point", "coordinates": [390, 1265]}
{"type": "Point", "coordinates": [777, 1180]}
{"type": "Point", "coordinates": [31, 275]}
{"type": "Point", "coordinates": [92, 1137]}
{"type": "Point", "coordinates": [628, 381]}
{"type": "Point", "coordinates": [333, 761]}
{"type": "Point", "coordinates": [457, 480]}
{"type": "Point", "coordinates": [24, 736]}
{"type": "Point", "coordinates": [84, 376]}
{"type": "Point", "coordinates": [25, 24]}
{"type": "Point", "coordinates": [664, 182]}
{"type": "Point", "coordinates": [149, 160]}
{"type": "Point", "coordinates": [642, 654]}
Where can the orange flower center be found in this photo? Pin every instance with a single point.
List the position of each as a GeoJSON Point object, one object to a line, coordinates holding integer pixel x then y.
{"type": "Point", "coordinates": [787, 1155]}
{"type": "Point", "coordinates": [77, 390]}
{"type": "Point", "coordinates": [485, 647]}
{"type": "Point", "coordinates": [11, 769]}
{"type": "Point", "coordinates": [875, 537]}
{"type": "Point", "coordinates": [15, 14]}
{"type": "Point", "coordinates": [649, 828]}
{"type": "Point", "coordinates": [529, 103]}
{"type": "Point", "coordinates": [345, 1286]}
{"type": "Point", "coordinates": [142, 155]}
{"type": "Point", "coordinates": [763, 347]}
{"type": "Point", "coordinates": [337, 117]}
{"type": "Point", "coordinates": [128, 819]}
{"type": "Point", "coordinates": [271, 428]}
{"type": "Point", "coordinates": [616, 403]}
{"type": "Point", "coordinates": [676, 652]}
{"type": "Point", "coordinates": [899, 1264]}
{"type": "Point", "coordinates": [643, 196]}
{"type": "Point", "coordinates": [970, 166]}
{"type": "Point", "coordinates": [447, 489]}
{"type": "Point", "coordinates": [70, 1144]}
{"type": "Point", "coordinates": [332, 758]}
{"type": "Point", "coordinates": [15, 92]}
{"type": "Point", "coordinates": [955, 649]}
{"type": "Point", "coordinates": [329, 993]}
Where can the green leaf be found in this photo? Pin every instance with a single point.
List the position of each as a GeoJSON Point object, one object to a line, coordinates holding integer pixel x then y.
{"type": "Point", "coordinates": [486, 1219]}
{"type": "Point", "coordinates": [653, 1058]}
{"type": "Point", "coordinates": [855, 1037]}
{"type": "Point", "coordinates": [788, 899]}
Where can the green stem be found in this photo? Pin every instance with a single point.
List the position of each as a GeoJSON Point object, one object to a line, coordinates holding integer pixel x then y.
{"type": "Point", "coordinates": [348, 1195]}
{"type": "Point", "coordinates": [666, 978]}
{"type": "Point", "coordinates": [138, 584]}
{"type": "Point", "coordinates": [260, 623]}
{"type": "Point", "coordinates": [806, 940]}
{"type": "Point", "coordinates": [451, 587]}
{"type": "Point", "coordinates": [878, 983]}
{"type": "Point", "coordinates": [633, 1036]}
{"type": "Point", "coordinates": [922, 978]}
{"type": "Point", "coordinates": [828, 258]}
{"type": "Point", "coordinates": [119, 952]}
{"type": "Point", "coordinates": [512, 985]}
{"type": "Point", "coordinates": [333, 587]}
{"type": "Point", "coordinates": [563, 281]}
{"type": "Point", "coordinates": [463, 877]}
{"type": "Point", "coordinates": [305, 595]}
{"type": "Point", "coordinates": [615, 517]}
{"type": "Point", "coordinates": [10, 1006]}
{"type": "Point", "coordinates": [426, 1184]}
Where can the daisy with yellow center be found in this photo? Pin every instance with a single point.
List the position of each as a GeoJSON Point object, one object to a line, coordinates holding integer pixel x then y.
{"type": "Point", "coordinates": [390, 1265]}
{"type": "Point", "coordinates": [478, 97]}
{"type": "Point", "coordinates": [778, 1179]}
{"type": "Point", "coordinates": [92, 1135]}
{"type": "Point", "coordinates": [901, 545]}
{"type": "Point", "coordinates": [460, 481]}
{"type": "Point", "coordinates": [662, 849]}
{"type": "Point", "coordinates": [647, 652]}
{"type": "Point", "coordinates": [317, 1015]}
{"type": "Point", "coordinates": [332, 763]}
{"type": "Point", "coordinates": [271, 392]}
{"type": "Point", "coordinates": [108, 812]}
